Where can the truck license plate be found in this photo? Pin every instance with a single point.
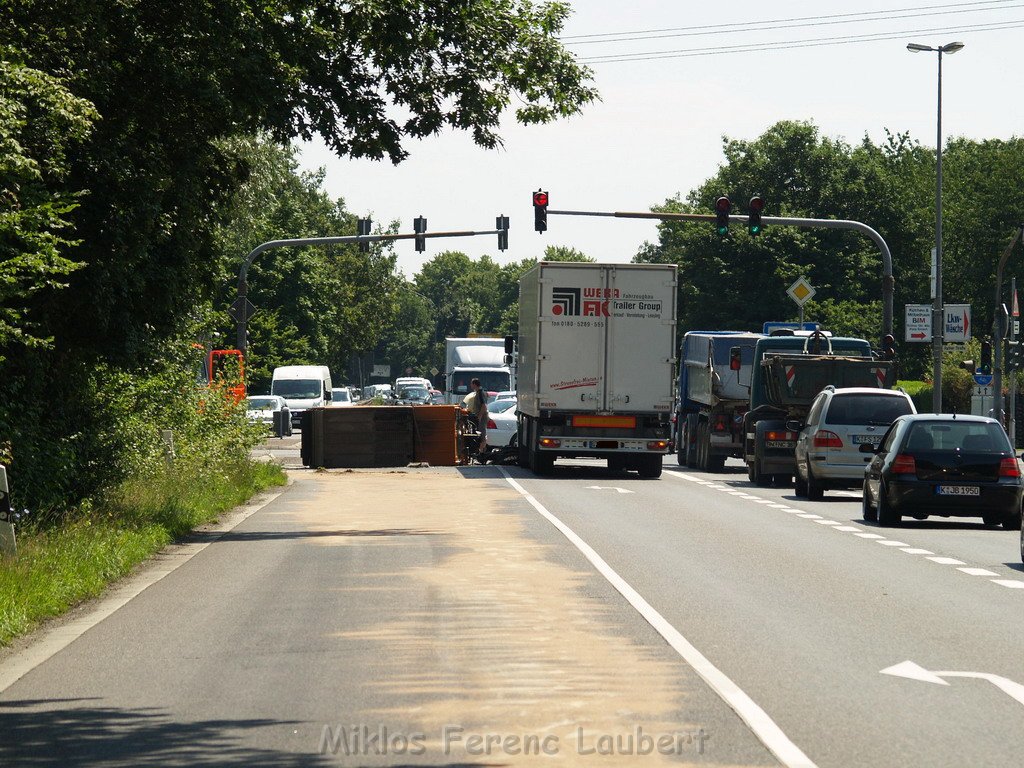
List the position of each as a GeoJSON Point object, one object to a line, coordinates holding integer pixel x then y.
{"type": "Point", "coordinates": [786, 444]}
{"type": "Point", "coordinates": [958, 490]}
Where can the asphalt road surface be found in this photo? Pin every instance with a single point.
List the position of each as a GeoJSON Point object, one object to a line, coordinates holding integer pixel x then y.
{"type": "Point", "coordinates": [466, 616]}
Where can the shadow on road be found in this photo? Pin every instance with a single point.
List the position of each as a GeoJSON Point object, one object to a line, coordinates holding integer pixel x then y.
{"type": "Point", "coordinates": [69, 736]}
{"type": "Point", "coordinates": [201, 537]}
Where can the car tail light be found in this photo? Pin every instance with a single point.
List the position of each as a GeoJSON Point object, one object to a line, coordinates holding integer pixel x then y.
{"type": "Point", "coordinates": [491, 424]}
{"type": "Point", "coordinates": [550, 442]}
{"type": "Point", "coordinates": [657, 445]}
{"type": "Point", "coordinates": [823, 438]}
{"type": "Point", "coordinates": [1008, 467]}
{"type": "Point", "coordinates": [904, 464]}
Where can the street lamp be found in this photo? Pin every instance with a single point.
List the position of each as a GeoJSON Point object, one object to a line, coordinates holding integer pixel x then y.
{"type": "Point", "coordinates": [938, 313]}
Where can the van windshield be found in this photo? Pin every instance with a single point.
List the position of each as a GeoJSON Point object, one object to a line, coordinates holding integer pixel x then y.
{"type": "Point", "coordinates": [297, 389]}
{"type": "Point", "coordinates": [863, 409]}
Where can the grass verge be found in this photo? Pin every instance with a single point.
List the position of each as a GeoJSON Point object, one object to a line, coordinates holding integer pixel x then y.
{"type": "Point", "coordinates": [56, 569]}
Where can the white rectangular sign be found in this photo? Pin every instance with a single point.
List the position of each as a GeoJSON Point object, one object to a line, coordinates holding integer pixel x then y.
{"type": "Point", "coordinates": [918, 323]}
{"type": "Point", "coordinates": [958, 323]}
{"type": "Point", "coordinates": [381, 371]}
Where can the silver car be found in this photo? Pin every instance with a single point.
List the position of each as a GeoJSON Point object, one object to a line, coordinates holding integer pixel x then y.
{"type": "Point", "coordinates": [840, 421]}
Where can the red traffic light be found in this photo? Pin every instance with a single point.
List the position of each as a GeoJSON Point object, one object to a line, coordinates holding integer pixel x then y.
{"type": "Point", "coordinates": [756, 204]}
{"type": "Point", "coordinates": [540, 198]}
{"type": "Point", "coordinates": [722, 205]}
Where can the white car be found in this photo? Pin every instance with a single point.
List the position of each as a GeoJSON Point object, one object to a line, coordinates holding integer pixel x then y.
{"type": "Point", "coordinates": [341, 397]}
{"type": "Point", "coordinates": [508, 394]}
{"type": "Point", "coordinates": [261, 408]}
{"type": "Point", "coordinates": [502, 425]}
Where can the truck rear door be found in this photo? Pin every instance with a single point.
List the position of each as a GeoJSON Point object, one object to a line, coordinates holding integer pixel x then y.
{"type": "Point", "coordinates": [640, 305]}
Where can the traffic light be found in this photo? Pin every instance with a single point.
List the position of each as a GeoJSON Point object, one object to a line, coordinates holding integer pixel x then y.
{"type": "Point", "coordinates": [889, 347]}
{"type": "Point", "coordinates": [1014, 356]}
{"type": "Point", "coordinates": [754, 215]}
{"type": "Point", "coordinates": [986, 358]}
{"type": "Point", "coordinates": [419, 226]}
{"type": "Point", "coordinates": [540, 210]}
{"type": "Point", "coordinates": [722, 209]}
{"type": "Point", "coordinates": [968, 365]}
{"type": "Point", "coordinates": [501, 224]}
{"type": "Point", "coordinates": [362, 229]}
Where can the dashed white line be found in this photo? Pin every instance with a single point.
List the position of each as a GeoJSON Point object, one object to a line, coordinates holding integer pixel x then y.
{"type": "Point", "coordinates": [891, 543]}
{"type": "Point", "coordinates": [809, 516]}
{"type": "Point", "coordinates": [978, 572]}
{"type": "Point", "coordinates": [848, 528]}
{"type": "Point", "coordinates": [1011, 583]}
{"type": "Point", "coordinates": [947, 561]}
{"type": "Point", "coordinates": [827, 522]}
{"type": "Point", "coordinates": [869, 536]}
{"type": "Point", "coordinates": [917, 551]}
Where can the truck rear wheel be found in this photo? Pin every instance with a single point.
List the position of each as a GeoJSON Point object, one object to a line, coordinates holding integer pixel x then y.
{"type": "Point", "coordinates": [650, 465]}
{"type": "Point", "coordinates": [716, 463]}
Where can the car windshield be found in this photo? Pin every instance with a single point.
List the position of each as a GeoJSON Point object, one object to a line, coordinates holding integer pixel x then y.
{"type": "Point", "coordinates": [261, 403]}
{"type": "Point", "coordinates": [340, 395]}
{"type": "Point", "coordinates": [880, 410]}
{"type": "Point", "coordinates": [498, 406]}
{"type": "Point", "coordinates": [973, 437]}
{"type": "Point", "coordinates": [419, 394]}
{"type": "Point", "coordinates": [297, 389]}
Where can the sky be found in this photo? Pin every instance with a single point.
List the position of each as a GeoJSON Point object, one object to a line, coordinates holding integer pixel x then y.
{"type": "Point", "coordinates": [658, 129]}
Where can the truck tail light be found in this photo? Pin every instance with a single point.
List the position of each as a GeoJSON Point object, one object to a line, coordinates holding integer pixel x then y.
{"type": "Point", "coordinates": [721, 425]}
{"type": "Point", "coordinates": [823, 438]}
{"type": "Point", "coordinates": [550, 442]}
{"type": "Point", "coordinates": [657, 445]}
{"type": "Point", "coordinates": [1008, 467]}
{"type": "Point", "coordinates": [904, 464]}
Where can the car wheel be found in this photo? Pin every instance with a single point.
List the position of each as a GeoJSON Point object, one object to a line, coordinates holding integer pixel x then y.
{"type": "Point", "coordinates": [868, 512]}
{"type": "Point", "coordinates": [1022, 544]}
{"type": "Point", "coordinates": [993, 520]}
{"type": "Point", "coordinates": [887, 516]}
{"type": "Point", "coordinates": [650, 466]}
{"type": "Point", "coordinates": [801, 485]}
{"type": "Point", "coordinates": [759, 478]}
{"type": "Point", "coordinates": [815, 490]}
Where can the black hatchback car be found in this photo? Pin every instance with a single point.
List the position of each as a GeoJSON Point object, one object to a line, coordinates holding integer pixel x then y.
{"type": "Point", "coordinates": [943, 465]}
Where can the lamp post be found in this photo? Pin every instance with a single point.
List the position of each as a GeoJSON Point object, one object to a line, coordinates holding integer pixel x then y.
{"type": "Point", "coordinates": [938, 312]}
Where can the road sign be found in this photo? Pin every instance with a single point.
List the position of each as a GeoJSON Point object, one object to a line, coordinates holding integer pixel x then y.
{"type": "Point", "coordinates": [983, 379]}
{"type": "Point", "coordinates": [917, 324]}
{"type": "Point", "coordinates": [434, 371]}
{"type": "Point", "coordinates": [1016, 306]}
{"type": "Point", "coordinates": [801, 291]}
{"type": "Point", "coordinates": [241, 309]}
{"type": "Point", "coordinates": [958, 323]}
{"type": "Point", "coordinates": [381, 371]}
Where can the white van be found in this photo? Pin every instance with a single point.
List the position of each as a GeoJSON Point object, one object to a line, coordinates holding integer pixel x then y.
{"type": "Point", "coordinates": [302, 387]}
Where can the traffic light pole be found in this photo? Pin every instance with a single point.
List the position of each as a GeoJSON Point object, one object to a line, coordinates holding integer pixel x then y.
{"type": "Point", "coordinates": [888, 281]}
{"type": "Point", "coordinates": [1000, 328]}
{"type": "Point", "coordinates": [1011, 420]}
{"type": "Point", "coordinates": [242, 313]}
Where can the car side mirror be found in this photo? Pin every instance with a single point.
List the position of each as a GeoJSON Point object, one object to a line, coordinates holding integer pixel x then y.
{"type": "Point", "coordinates": [867, 448]}
{"type": "Point", "coordinates": [794, 426]}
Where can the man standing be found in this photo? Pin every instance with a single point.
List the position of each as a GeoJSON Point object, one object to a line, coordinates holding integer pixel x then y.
{"type": "Point", "coordinates": [476, 404]}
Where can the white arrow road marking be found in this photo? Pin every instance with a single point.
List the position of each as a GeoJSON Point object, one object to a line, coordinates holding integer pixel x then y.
{"type": "Point", "coordinates": [914, 671]}
{"type": "Point", "coordinates": [607, 488]}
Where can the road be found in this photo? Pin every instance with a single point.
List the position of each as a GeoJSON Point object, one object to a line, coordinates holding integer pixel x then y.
{"type": "Point", "coordinates": [445, 604]}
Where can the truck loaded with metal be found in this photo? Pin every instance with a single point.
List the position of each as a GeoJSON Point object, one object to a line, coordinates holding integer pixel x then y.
{"type": "Point", "coordinates": [788, 372]}
{"type": "Point", "coordinates": [596, 352]}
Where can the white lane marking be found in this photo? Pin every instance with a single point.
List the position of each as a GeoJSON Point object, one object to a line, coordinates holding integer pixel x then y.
{"type": "Point", "coordinates": [848, 528]}
{"type": "Point", "coordinates": [917, 551]}
{"type": "Point", "coordinates": [809, 516]}
{"type": "Point", "coordinates": [792, 510]}
{"type": "Point", "coordinates": [606, 488]}
{"type": "Point", "coordinates": [914, 671]}
{"type": "Point", "coordinates": [748, 496]}
{"type": "Point", "coordinates": [869, 536]}
{"type": "Point", "coordinates": [760, 723]}
{"type": "Point", "coordinates": [946, 560]}
{"type": "Point", "coordinates": [777, 506]}
{"type": "Point", "coordinates": [978, 572]}
{"type": "Point", "coordinates": [1011, 583]}
{"type": "Point", "coordinates": [60, 637]}
{"type": "Point", "coordinates": [827, 522]}
{"type": "Point", "coordinates": [738, 493]}
{"type": "Point", "coordinates": [764, 501]}
{"type": "Point", "coordinates": [891, 543]}
{"type": "Point", "coordinates": [849, 494]}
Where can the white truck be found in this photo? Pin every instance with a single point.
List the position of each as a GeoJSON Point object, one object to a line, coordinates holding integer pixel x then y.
{"type": "Point", "coordinates": [595, 362]}
{"type": "Point", "coordinates": [475, 358]}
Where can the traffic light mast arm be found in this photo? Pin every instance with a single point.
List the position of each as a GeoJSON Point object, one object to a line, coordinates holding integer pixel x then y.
{"type": "Point", "coordinates": [243, 285]}
{"type": "Point", "coordinates": [888, 281]}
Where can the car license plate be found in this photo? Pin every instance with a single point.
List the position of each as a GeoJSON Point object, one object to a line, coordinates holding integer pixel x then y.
{"type": "Point", "coordinates": [864, 439]}
{"type": "Point", "coordinates": [958, 490]}
{"type": "Point", "coordinates": [780, 444]}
